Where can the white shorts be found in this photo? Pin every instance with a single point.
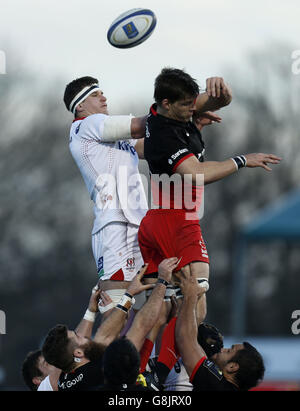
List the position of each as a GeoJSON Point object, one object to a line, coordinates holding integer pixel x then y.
{"type": "Point", "coordinates": [117, 252]}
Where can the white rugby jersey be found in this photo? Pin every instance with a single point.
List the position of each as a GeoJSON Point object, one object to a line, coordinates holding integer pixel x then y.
{"type": "Point", "coordinates": [110, 172]}
{"type": "Point", "coordinates": [45, 385]}
{"type": "Point", "coordinates": [178, 379]}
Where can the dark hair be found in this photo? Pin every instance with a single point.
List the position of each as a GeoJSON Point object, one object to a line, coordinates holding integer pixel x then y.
{"type": "Point", "coordinates": [251, 367]}
{"type": "Point", "coordinates": [58, 349]}
{"type": "Point", "coordinates": [121, 362]}
{"type": "Point", "coordinates": [174, 84]}
{"type": "Point", "coordinates": [30, 369]}
{"type": "Point", "coordinates": [75, 87]}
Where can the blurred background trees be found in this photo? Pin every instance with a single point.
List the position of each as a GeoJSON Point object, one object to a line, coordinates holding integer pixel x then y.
{"type": "Point", "coordinates": [47, 267]}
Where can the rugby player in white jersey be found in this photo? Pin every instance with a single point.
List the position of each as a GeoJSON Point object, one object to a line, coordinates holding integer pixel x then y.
{"type": "Point", "coordinates": [105, 149]}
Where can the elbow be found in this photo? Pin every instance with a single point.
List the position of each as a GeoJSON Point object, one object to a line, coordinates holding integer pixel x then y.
{"type": "Point", "coordinates": [227, 98]}
{"type": "Point", "coordinates": [138, 127]}
{"type": "Point", "coordinates": [228, 101]}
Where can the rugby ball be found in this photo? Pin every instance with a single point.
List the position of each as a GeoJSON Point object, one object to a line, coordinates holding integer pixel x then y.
{"type": "Point", "coordinates": [131, 28]}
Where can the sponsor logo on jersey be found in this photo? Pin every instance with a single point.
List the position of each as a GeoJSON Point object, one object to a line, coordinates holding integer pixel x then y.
{"type": "Point", "coordinates": [174, 156]}
{"type": "Point", "coordinates": [130, 262]}
{"type": "Point", "coordinates": [125, 146]}
{"type": "Point", "coordinates": [68, 384]}
{"type": "Point", "coordinates": [213, 368]}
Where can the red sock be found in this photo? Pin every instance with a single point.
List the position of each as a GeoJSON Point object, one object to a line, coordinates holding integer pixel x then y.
{"type": "Point", "coordinates": [168, 353]}
{"type": "Point", "coordinates": [145, 353]}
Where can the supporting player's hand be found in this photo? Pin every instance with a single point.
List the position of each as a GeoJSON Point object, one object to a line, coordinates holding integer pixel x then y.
{"type": "Point", "coordinates": [136, 286]}
{"type": "Point", "coordinates": [188, 283]}
{"type": "Point", "coordinates": [261, 160]}
{"type": "Point", "coordinates": [94, 299]}
{"type": "Point", "coordinates": [105, 302]}
{"type": "Point", "coordinates": [166, 267]}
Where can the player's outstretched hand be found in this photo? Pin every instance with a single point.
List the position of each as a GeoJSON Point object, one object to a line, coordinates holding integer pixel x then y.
{"type": "Point", "coordinates": [261, 160]}
{"type": "Point", "coordinates": [166, 267]}
{"type": "Point", "coordinates": [211, 116]}
{"type": "Point", "coordinates": [136, 286]}
{"type": "Point", "coordinates": [205, 119]}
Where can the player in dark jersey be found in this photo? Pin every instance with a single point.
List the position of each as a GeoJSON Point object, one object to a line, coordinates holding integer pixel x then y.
{"type": "Point", "coordinates": [174, 150]}
{"type": "Point", "coordinates": [240, 367]}
{"type": "Point", "coordinates": [80, 358]}
{"type": "Point", "coordinates": [41, 376]}
{"type": "Point", "coordinates": [121, 363]}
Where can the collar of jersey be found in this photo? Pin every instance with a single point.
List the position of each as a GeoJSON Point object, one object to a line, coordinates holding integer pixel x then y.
{"type": "Point", "coordinates": [79, 118]}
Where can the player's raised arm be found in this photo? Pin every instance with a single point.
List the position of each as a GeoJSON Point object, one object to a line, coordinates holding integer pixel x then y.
{"type": "Point", "coordinates": [217, 170]}
{"type": "Point", "coordinates": [148, 314]}
{"type": "Point", "coordinates": [122, 128]}
{"type": "Point", "coordinates": [85, 327]}
{"type": "Point", "coordinates": [113, 324]}
{"type": "Point", "coordinates": [186, 330]}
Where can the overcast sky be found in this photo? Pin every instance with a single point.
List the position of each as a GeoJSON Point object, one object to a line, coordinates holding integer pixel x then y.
{"type": "Point", "coordinates": [67, 38]}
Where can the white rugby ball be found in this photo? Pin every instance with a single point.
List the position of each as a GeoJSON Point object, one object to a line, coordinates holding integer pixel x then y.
{"type": "Point", "coordinates": [131, 28]}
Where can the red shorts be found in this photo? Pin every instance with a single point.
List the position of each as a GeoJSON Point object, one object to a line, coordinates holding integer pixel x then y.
{"type": "Point", "coordinates": [167, 233]}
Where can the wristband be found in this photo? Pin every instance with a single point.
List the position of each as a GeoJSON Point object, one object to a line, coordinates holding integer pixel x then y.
{"type": "Point", "coordinates": [89, 316]}
{"type": "Point", "coordinates": [162, 281]}
{"type": "Point", "coordinates": [240, 161]}
{"type": "Point", "coordinates": [126, 302]}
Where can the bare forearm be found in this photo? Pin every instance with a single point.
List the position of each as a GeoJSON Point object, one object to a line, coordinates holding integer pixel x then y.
{"type": "Point", "coordinates": [186, 327]}
{"type": "Point", "coordinates": [217, 170]}
{"type": "Point", "coordinates": [147, 316]}
{"type": "Point", "coordinates": [211, 171]}
{"type": "Point", "coordinates": [186, 334]}
{"type": "Point", "coordinates": [85, 328]}
{"type": "Point", "coordinates": [208, 103]}
{"type": "Point", "coordinates": [207, 172]}
{"type": "Point", "coordinates": [111, 327]}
